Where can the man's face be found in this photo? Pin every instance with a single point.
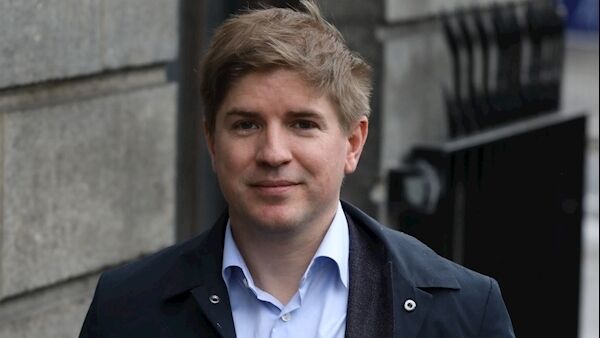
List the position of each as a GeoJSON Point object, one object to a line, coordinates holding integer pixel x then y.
{"type": "Point", "coordinates": [280, 153]}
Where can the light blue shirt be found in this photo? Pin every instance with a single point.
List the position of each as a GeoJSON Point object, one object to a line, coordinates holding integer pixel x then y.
{"type": "Point", "coordinates": [318, 309]}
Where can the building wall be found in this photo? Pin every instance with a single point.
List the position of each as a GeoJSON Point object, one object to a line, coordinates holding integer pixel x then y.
{"type": "Point", "coordinates": [87, 151]}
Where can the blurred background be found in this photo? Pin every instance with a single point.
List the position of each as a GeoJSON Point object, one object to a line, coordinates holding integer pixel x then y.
{"type": "Point", "coordinates": [483, 143]}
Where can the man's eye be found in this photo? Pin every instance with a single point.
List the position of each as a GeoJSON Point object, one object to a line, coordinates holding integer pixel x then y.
{"type": "Point", "coordinates": [245, 125]}
{"type": "Point", "coordinates": [304, 124]}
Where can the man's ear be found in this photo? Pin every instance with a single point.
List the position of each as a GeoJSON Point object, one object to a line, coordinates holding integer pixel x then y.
{"type": "Point", "coordinates": [356, 141]}
{"type": "Point", "coordinates": [209, 138]}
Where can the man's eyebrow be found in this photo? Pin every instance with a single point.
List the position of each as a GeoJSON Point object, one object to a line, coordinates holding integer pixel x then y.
{"type": "Point", "coordinates": [307, 114]}
{"type": "Point", "coordinates": [311, 115]}
{"type": "Point", "coordinates": [240, 113]}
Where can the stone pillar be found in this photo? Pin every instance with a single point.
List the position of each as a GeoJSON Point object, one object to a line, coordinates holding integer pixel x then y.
{"type": "Point", "coordinates": [87, 151]}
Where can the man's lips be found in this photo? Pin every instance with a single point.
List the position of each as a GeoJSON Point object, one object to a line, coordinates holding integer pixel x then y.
{"type": "Point", "coordinates": [273, 187]}
{"type": "Point", "coordinates": [273, 183]}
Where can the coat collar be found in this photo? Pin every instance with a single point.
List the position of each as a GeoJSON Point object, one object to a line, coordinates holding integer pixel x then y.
{"type": "Point", "coordinates": [412, 261]}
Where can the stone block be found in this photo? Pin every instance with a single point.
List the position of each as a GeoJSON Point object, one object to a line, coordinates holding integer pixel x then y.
{"type": "Point", "coordinates": [140, 31]}
{"type": "Point", "coordinates": [55, 39]}
{"type": "Point", "coordinates": [87, 184]}
{"type": "Point", "coordinates": [48, 39]}
{"type": "Point", "coordinates": [51, 313]}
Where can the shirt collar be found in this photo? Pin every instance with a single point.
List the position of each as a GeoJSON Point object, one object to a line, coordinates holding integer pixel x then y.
{"type": "Point", "coordinates": [335, 245]}
{"type": "Point", "coordinates": [232, 257]}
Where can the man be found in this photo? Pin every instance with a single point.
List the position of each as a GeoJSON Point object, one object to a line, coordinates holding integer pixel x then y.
{"type": "Point", "coordinates": [286, 118]}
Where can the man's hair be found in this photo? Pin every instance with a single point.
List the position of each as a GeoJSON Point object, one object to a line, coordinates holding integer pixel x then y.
{"type": "Point", "coordinates": [302, 41]}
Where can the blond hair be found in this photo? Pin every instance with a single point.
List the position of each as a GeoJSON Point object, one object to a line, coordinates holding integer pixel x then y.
{"type": "Point", "coordinates": [302, 41]}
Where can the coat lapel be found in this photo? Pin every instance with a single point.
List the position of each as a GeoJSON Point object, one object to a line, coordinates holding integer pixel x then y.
{"type": "Point", "coordinates": [370, 305]}
{"type": "Point", "coordinates": [378, 292]}
{"type": "Point", "coordinates": [407, 323]}
{"type": "Point", "coordinates": [216, 310]}
{"type": "Point", "coordinates": [198, 272]}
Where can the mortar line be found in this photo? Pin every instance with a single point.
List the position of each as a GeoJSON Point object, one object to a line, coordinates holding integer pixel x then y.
{"type": "Point", "coordinates": [54, 92]}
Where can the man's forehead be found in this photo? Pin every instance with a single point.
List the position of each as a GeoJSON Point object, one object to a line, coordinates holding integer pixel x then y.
{"type": "Point", "coordinates": [279, 86]}
{"type": "Point", "coordinates": [276, 74]}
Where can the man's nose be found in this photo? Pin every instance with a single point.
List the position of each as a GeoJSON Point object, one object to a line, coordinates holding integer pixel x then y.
{"type": "Point", "coordinates": [273, 148]}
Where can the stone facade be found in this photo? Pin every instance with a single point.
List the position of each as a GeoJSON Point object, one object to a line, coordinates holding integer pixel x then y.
{"type": "Point", "coordinates": [45, 40]}
{"type": "Point", "coordinates": [72, 176]}
{"type": "Point", "coordinates": [88, 133]}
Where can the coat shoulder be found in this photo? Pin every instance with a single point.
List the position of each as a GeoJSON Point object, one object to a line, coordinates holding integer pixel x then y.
{"type": "Point", "coordinates": [418, 263]}
{"type": "Point", "coordinates": [146, 276]}
{"type": "Point", "coordinates": [464, 303]}
{"type": "Point", "coordinates": [428, 268]}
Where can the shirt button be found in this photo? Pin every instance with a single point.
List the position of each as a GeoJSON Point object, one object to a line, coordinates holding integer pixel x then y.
{"type": "Point", "coordinates": [245, 282]}
{"type": "Point", "coordinates": [286, 317]}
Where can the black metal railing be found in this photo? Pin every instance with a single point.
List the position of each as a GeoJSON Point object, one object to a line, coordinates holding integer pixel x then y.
{"type": "Point", "coordinates": [503, 195]}
{"type": "Point", "coordinates": [507, 203]}
{"type": "Point", "coordinates": [507, 63]}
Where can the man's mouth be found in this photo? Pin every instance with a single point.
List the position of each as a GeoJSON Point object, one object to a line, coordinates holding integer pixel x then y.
{"type": "Point", "coordinates": [273, 187]}
{"type": "Point", "coordinates": [273, 183]}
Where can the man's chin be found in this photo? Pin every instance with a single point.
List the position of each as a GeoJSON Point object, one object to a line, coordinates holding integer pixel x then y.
{"type": "Point", "coordinates": [274, 220]}
{"type": "Point", "coordinates": [277, 221]}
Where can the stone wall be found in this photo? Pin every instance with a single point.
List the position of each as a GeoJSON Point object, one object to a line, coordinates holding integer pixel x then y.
{"type": "Point", "coordinates": [87, 151]}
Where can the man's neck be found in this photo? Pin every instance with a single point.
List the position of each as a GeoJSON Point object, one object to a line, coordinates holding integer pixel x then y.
{"type": "Point", "coordinates": [277, 261]}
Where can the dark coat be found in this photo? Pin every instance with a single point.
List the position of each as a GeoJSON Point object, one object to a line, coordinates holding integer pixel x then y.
{"type": "Point", "coordinates": [172, 293]}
